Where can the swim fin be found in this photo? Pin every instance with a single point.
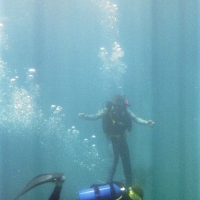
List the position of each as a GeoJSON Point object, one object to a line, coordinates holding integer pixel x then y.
{"type": "Point", "coordinates": [41, 179]}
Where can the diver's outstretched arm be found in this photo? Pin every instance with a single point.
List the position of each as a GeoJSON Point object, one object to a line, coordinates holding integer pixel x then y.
{"type": "Point", "coordinates": [92, 117]}
{"type": "Point", "coordinates": [139, 120]}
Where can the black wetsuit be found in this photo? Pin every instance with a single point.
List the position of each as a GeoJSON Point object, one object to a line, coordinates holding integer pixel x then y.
{"type": "Point", "coordinates": [120, 149]}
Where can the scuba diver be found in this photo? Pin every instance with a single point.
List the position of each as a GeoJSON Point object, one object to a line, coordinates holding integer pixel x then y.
{"type": "Point", "coordinates": [109, 191]}
{"type": "Point", "coordinates": [116, 120]}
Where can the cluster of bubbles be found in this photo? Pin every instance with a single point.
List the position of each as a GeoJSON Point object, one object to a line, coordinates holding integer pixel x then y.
{"type": "Point", "coordinates": [109, 20]}
{"type": "Point", "coordinates": [31, 73]}
{"type": "Point", "coordinates": [19, 112]}
{"type": "Point", "coordinates": [111, 54]}
{"type": "Point", "coordinates": [56, 109]}
{"type": "Point", "coordinates": [22, 117]}
{"type": "Point", "coordinates": [113, 59]}
{"type": "Point", "coordinates": [21, 107]}
{"type": "Point", "coordinates": [112, 66]}
{"type": "Point", "coordinates": [17, 104]}
{"type": "Point", "coordinates": [117, 52]}
{"type": "Point", "coordinates": [84, 151]}
{"type": "Point", "coordinates": [80, 151]}
{"type": "Point", "coordinates": [54, 124]}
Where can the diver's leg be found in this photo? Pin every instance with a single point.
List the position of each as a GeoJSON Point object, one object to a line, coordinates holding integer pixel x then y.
{"type": "Point", "coordinates": [115, 160]}
{"type": "Point", "coordinates": [55, 195]}
{"type": "Point", "coordinates": [125, 156]}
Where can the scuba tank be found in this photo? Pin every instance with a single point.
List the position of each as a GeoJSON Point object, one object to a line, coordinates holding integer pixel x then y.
{"type": "Point", "coordinates": [101, 192]}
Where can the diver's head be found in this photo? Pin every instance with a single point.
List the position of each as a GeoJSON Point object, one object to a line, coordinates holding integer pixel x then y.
{"type": "Point", "coordinates": [119, 104]}
{"type": "Point", "coordinates": [118, 100]}
{"type": "Point", "coordinates": [135, 193]}
{"type": "Point", "coordinates": [109, 105]}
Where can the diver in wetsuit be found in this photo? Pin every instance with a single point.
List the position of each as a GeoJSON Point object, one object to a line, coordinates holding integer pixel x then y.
{"type": "Point", "coordinates": [116, 120]}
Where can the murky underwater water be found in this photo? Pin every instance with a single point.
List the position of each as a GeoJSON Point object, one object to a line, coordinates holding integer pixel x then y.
{"type": "Point", "coordinates": [65, 57]}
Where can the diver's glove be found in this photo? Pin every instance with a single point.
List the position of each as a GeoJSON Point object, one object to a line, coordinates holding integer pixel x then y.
{"type": "Point", "coordinates": [150, 123]}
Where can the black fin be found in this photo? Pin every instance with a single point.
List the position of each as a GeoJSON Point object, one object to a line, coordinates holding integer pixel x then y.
{"type": "Point", "coordinates": [38, 180]}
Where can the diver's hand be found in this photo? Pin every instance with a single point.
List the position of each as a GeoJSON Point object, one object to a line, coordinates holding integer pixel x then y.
{"type": "Point", "coordinates": [82, 115]}
{"type": "Point", "coordinates": [150, 123]}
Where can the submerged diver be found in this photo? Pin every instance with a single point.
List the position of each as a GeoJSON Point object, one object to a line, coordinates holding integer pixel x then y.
{"type": "Point", "coordinates": [111, 191]}
{"type": "Point", "coordinates": [116, 120]}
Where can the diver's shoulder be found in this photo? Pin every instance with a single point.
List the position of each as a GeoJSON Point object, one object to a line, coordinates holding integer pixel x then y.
{"type": "Point", "coordinates": [130, 112]}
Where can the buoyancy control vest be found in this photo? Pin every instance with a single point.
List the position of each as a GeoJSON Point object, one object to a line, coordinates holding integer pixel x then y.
{"type": "Point", "coordinates": [116, 120]}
